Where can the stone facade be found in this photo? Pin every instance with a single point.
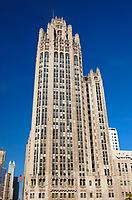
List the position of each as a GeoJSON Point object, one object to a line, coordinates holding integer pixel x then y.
{"type": "Point", "coordinates": [114, 142]}
{"type": "Point", "coordinates": [2, 157]}
{"type": "Point", "coordinates": [123, 170]}
{"type": "Point", "coordinates": [68, 154]}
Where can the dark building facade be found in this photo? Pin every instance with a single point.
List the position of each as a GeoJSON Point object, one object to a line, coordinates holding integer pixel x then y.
{"type": "Point", "coordinates": [16, 188]}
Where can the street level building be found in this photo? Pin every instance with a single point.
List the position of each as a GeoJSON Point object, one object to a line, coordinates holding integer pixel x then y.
{"type": "Point", "coordinates": [68, 154]}
{"type": "Point", "coordinates": [123, 168]}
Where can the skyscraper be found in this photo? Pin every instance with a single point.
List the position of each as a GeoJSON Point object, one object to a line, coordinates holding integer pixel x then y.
{"type": "Point", "coordinates": [2, 172]}
{"type": "Point", "coordinates": [15, 188]}
{"type": "Point", "coordinates": [2, 157]}
{"type": "Point", "coordinates": [68, 155]}
{"type": "Point", "coordinates": [9, 179]}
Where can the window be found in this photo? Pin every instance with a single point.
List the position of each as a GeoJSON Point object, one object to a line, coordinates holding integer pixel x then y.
{"type": "Point", "coordinates": [109, 181]}
{"type": "Point", "coordinates": [111, 194]}
{"type": "Point", "coordinates": [46, 57]}
{"type": "Point", "coordinates": [33, 182]}
{"type": "Point", "coordinates": [91, 194]}
{"type": "Point", "coordinates": [75, 60]}
{"type": "Point", "coordinates": [98, 195]}
{"type": "Point", "coordinates": [53, 195]}
{"type": "Point", "coordinates": [31, 195]}
{"type": "Point", "coordinates": [67, 59]}
{"type": "Point", "coordinates": [39, 195]}
{"type": "Point", "coordinates": [97, 182]}
{"type": "Point", "coordinates": [83, 195]}
{"type": "Point", "coordinates": [61, 57]}
{"type": "Point", "coordinates": [59, 33]}
{"type": "Point", "coordinates": [41, 57]}
{"type": "Point", "coordinates": [90, 182]}
{"type": "Point", "coordinates": [126, 167]}
{"type": "Point", "coordinates": [55, 57]}
{"type": "Point", "coordinates": [61, 195]}
{"type": "Point", "coordinates": [69, 195]}
{"type": "Point", "coordinates": [124, 182]}
{"type": "Point", "coordinates": [43, 195]}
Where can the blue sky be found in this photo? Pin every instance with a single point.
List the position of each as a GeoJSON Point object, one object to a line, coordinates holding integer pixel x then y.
{"type": "Point", "coordinates": [105, 29]}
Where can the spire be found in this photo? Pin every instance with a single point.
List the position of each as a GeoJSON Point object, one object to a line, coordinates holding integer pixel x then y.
{"type": "Point", "coordinates": [91, 71]}
{"type": "Point", "coordinates": [98, 70]}
{"type": "Point", "coordinates": [53, 14]}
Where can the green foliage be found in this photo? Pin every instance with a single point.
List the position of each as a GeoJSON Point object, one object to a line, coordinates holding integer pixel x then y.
{"type": "Point", "coordinates": [128, 196]}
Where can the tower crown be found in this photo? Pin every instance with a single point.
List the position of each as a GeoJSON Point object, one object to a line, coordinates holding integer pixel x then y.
{"type": "Point", "coordinates": [59, 22]}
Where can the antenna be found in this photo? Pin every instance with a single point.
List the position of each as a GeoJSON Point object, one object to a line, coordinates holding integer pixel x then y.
{"type": "Point", "coordinates": [53, 13]}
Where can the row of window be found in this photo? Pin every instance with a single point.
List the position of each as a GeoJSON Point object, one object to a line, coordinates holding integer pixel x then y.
{"type": "Point", "coordinates": [65, 124]}
{"type": "Point", "coordinates": [125, 182]}
{"type": "Point", "coordinates": [55, 195]}
{"type": "Point", "coordinates": [90, 129]}
{"type": "Point", "coordinates": [62, 195]}
{"type": "Point", "coordinates": [79, 121]}
{"type": "Point", "coordinates": [61, 58]}
{"type": "Point", "coordinates": [123, 168]}
{"type": "Point", "coordinates": [102, 122]}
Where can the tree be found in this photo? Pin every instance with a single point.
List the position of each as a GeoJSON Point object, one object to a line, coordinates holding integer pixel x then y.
{"type": "Point", "coordinates": [128, 196]}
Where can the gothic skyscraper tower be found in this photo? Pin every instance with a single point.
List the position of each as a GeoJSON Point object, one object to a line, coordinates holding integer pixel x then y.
{"type": "Point", "coordinates": [68, 154]}
{"type": "Point", "coordinates": [53, 148]}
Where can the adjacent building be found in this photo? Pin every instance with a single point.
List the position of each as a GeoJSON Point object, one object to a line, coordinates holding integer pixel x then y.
{"type": "Point", "coordinates": [9, 179]}
{"type": "Point", "coordinates": [2, 172]}
{"type": "Point", "coordinates": [16, 188]}
{"type": "Point", "coordinates": [114, 142]}
{"type": "Point", "coordinates": [68, 155]}
{"type": "Point", "coordinates": [2, 157]}
{"type": "Point", "coordinates": [123, 168]}
{"type": "Point", "coordinates": [9, 185]}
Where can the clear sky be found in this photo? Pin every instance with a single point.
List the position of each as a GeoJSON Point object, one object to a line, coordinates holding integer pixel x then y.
{"type": "Point", "coordinates": [105, 29]}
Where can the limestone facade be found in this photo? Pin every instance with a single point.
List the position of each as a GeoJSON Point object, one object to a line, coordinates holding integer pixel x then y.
{"type": "Point", "coordinates": [114, 139]}
{"type": "Point", "coordinates": [68, 154]}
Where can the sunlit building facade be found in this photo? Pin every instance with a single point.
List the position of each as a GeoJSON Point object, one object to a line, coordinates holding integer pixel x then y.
{"type": "Point", "coordinates": [2, 157]}
{"type": "Point", "coordinates": [8, 184]}
{"type": "Point", "coordinates": [68, 155]}
{"type": "Point", "coordinates": [114, 141]}
{"type": "Point", "coordinates": [2, 172]}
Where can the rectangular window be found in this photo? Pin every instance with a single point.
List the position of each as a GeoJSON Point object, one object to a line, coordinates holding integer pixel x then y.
{"type": "Point", "coordinates": [91, 195]}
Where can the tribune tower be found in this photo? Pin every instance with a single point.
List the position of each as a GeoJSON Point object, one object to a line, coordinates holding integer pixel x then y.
{"type": "Point", "coordinates": [68, 155]}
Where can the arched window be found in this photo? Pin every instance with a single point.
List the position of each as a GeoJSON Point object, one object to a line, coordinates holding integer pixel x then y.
{"type": "Point", "coordinates": [59, 33]}
{"type": "Point", "coordinates": [61, 57]}
{"type": "Point", "coordinates": [46, 57]}
{"type": "Point", "coordinates": [55, 57]}
{"type": "Point", "coordinates": [67, 58]}
{"type": "Point", "coordinates": [75, 60]}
